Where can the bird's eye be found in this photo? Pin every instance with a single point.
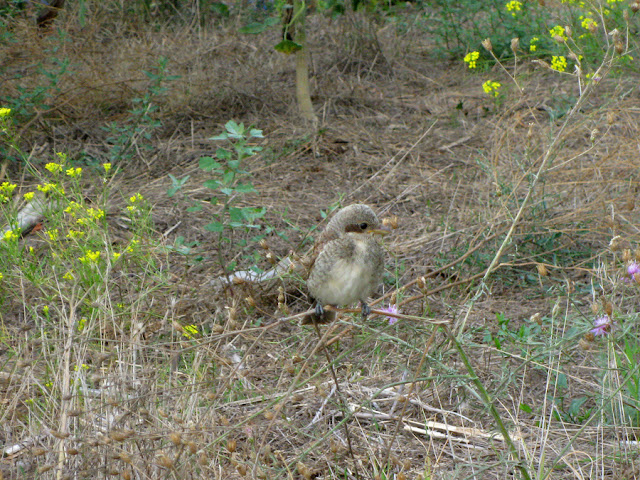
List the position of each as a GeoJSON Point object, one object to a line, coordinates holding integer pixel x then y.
{"type": "Point", "coordinates": [363, 226]}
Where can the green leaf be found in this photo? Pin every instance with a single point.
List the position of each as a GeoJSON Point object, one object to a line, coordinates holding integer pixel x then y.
{"type": "Point", "coordinates": [227, 191]}
{"type": "Point", "coordinates": [525, 408]}
{"type": "Point", "coordinates": [216, 227]}
{"type": "Point", "coordinates": [233, 164]}
{"type": "Point", "coordinates": [253, 213]}
{"type": "Point", "coordinates": [254, 132]}
{"type": "Point", "coordinates": [227, 177]}
{"type": "Point", "coordinates": [212, 184]}
{"type": "Point", "coordinates": [223, 154]}
{"type": "Point", "coordinates": [195, 208]}
{"type": "Point", "coordinates": [234, 130]}
{"type": "Point", "coordinates": [245, 188]}
{"type": "Point", "coordinates": [257, 27]}
{"type": "Point", "coordinates": [576, 405]}
{"type": "Point", "coordinates": [288, 47]}
{"type": "Point", "coordinates": [219, 8]}
{"type": "Point", "coordinates": [222, 136]}
{"type": "Point", "coordinates": [207, 164]}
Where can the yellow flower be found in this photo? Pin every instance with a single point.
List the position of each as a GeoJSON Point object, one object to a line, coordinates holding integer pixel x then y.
{"type": "Point", "coordinates": [73, 209]}
{"type": "Point", "coordinates": [134, 243]}
{"type": "Point", "coordinates": [558, 30]}
{"type": "Point", "coordinates": [8, 187]}
{"type": "Point", "coordinates": [513, 6]}
{"type": "Point", "coordinates": [1, 275]}
{"type": "Point", "coordinates": [53, 167]}
{"type": "Point", "coordinates": [136, 198]}
{"type": "Point", "coordinates": [491, 88]}
{"type": "Point", "coordinates": [51, 187]}
{"type": "Point", "coordinates": [471, 59]}
{"type": "Point", "coordinates": [533, 44]}
{"type": "Point", "coordinates": [29, 196]}
{"type": "Point", "coordinates": [10, 235]}
{"type": "Point", "coordinates": [3, 198]}
{"type": "Point", "coordinates": [107, 167]}
{"type": "Point", "coordinates": [90, 257]}
{"type": "Point", "coordinates": [32, 250]}
{"type": "Point", "coordinates": [95, 213]}
{"type": "Point", "coordinates": [45, 310]}
{"type": "Point", "coordinates": [559, 63]}
{"type": "Point", "coordinates": [5, 112]}
{"type": "Point", "coordinates": [132, 208]}
{"type": "Point", "coordinates": [116, 255]}
{"type": "Point", "coordinates": [53, 234]}
{"type": "Point", "coordinates": [68, 276]}
{"type": "Point", "coordinates": [62, 156]}
{"type": "Point", "coordinates": [84, 366]}
{"type": "Point", "coordinates": [589, 24]}
{"type": "Point", "coordinates": [74, 172]}
{"type": "Point", "coordinates": [75, 234]}
{"type": "Point", "coordinates": [81, 324]}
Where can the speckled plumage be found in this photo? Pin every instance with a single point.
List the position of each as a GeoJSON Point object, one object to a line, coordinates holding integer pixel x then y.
{"type": "Point", "coordinates": [349, 263]}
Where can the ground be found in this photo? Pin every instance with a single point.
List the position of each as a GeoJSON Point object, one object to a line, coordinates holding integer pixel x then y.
{"type": "Point", "coordinates": [251, 394]}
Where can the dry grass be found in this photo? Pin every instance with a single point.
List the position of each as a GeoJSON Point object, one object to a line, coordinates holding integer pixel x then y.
{"type": "Point", "coordinates": [252, 397]}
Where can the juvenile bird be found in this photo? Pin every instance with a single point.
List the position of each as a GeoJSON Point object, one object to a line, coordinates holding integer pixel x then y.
{"type": "Point", "coordinates": [349, 263]}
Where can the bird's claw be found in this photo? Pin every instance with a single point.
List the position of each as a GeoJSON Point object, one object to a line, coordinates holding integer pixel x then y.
{"type": "Point", "coordinates": [366, 310]}
{"type": "Point", "coordinates": [319, 311]}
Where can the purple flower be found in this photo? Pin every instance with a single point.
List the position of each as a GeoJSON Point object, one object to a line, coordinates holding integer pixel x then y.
{"type": "Point", "coordinates": [393, 310]}
{"type": "Point", "coordinates": [632, 269]}
{"type": "Point", "coordinates": [602, 325]}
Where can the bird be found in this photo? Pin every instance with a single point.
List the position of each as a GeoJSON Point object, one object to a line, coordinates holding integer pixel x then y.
{"type": "Point", "coordinates": [349, 262]}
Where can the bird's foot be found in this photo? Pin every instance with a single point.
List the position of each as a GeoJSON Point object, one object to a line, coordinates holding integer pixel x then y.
{"type": "Point", "coordinates": [366, 310]}
{"type": "Point", "coordinates": [319, 312]}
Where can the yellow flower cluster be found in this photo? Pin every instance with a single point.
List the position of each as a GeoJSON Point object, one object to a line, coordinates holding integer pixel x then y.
{"type": "Point", "coordinates": [53, 234]}
{"type": "Point", "coordinates": [90, 257]}
{"type": "Point", "coordinates": [5, 112]}
{"type": "Point", "coordinates": [471, 59]}
{"type": "Point", "coordinates": [6, 190]}
{"type": "Point", "coordinates": [588, 23]}
{"type": "Point", "coordinates": [189, 331]}
{"type": "Point", "coordinates": [513, 6]}
{"type": "Point", "coordinates": [83, 217]}
{"type": "Point", "coordinates": [53, 167]}
{"type": "Point", "coordinates": [107, 167]}
{"type": "Point", "coordinates": [11, 235]}
{"type": "Point", "coordinates": [51, 187]}
{"type": "Point", "coordinates": [74, 172]}
{"type": "Point", "coordinates": [558, 31]}
{"type": "Point", "coordinates": [533, 44]}
{"type": "Point", "coordinates": [559, 63]}
{"type": "Point", "coordinates": [29, 196]}
{"type": "Point", "coordinates": [491, 88]}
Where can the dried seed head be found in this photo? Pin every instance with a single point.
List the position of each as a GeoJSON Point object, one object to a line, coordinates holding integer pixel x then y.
{"type": "Point", "coordinates": [45, 468]}
{"type": "Point", "coordinates": [73, 451]}
{"type": "Point", "coordinates": [637, 254]}
{"type": "Point", "coordinates": [542, 270]}
{"type": "Point", "coordinates": [231, 313]}
{"type": "Point", "coordinates": [238, 280]}
{"type": "Point", "coordinates": [614, 244]}
{"type": "Point", "coordinates": [619, 46]}
{"type": "Point", "coordinates": [486, 43]}
{"type": "Point", "coordinates": [555, 310]}
{"type": "Point", "coordinates": [175, 438]}
{"type": "Point", "coordinates": [607, 306]}
{"type": "Point", "coordinates": [250, 301]}
{"type": "Point", "coordinates": [537, 318]}
{"type": "Point", "coordinates": [422, 283]}
{"type": "Point", "coordinates": [242, 470]}
{"type": "Point", "coordinates": [626, 255]}
{"type": "Point", "coordinates": [594, 308]}
{"type": "Point", "coordinates": [203, 460]}
{"type": "Point", "coordinates": [558, 39]}
{"type": "Point", "coordinates": [126, 475]}
{"type": "Point", "coordinates": [165, 461]}
{"type": "Point", "coordinates": [119, 435]}
{"type": "Point", "coordinates": [232, 445]}
{"type": "Point", "coordinates": [594, 134]}
{"type": "Point", "coordinates": [630, 204]}
{"type": "Point", "coordinates": [584, 343]}
{"type": "Point", "coordinates": [297, 359]}
{"type": "Point", "coordinates": [391, 222]}
{"type": "Point", "coordinates": [269, 415]}
{"type": "Point", "coordinates": [290, 369]}
{"type": "Point", "coordinates": [567, 30]}
{"type": "Point", "coordinates": [263, 244]}
{"type": "Point", "coordinates": [635, 7]}
{"type": "Point", "coordinates": [625, 16]}
{"type": "Point", "coordinates": [271, 258]}
{"type": "Point", "coordinates": [401, 476]}
{"type": "Point", "coordinates": [125, 457]}
{"type": "Point", "coordinates": [193, 448]}
{"type": "Point", "coordinates": [59, 435]}
{"type": "Point", "coordinates": [589, 337]}
{"type": "Point", "coordinates": [406, 465]}
{"type": "Point", "coordinates": [37, 452]}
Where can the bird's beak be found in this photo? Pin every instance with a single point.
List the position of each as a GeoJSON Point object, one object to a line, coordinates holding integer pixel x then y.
{"type": "Point", "coordinates": [383, 230]}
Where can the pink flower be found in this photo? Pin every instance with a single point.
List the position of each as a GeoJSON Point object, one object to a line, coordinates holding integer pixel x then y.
{"type": "Point", "coordinates": [602, 325]}
{"type": "Point", "coordinates": [393, 310]}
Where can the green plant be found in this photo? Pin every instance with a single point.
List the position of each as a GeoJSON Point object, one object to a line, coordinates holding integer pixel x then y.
{"type": "Point", "coordinates": [139, 127]}
{"type": "Point", "coordinates": [230, 184]}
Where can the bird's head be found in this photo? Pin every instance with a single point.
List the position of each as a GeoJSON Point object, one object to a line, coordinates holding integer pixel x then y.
{"type": "Point", "coordinates": [358, 218]}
